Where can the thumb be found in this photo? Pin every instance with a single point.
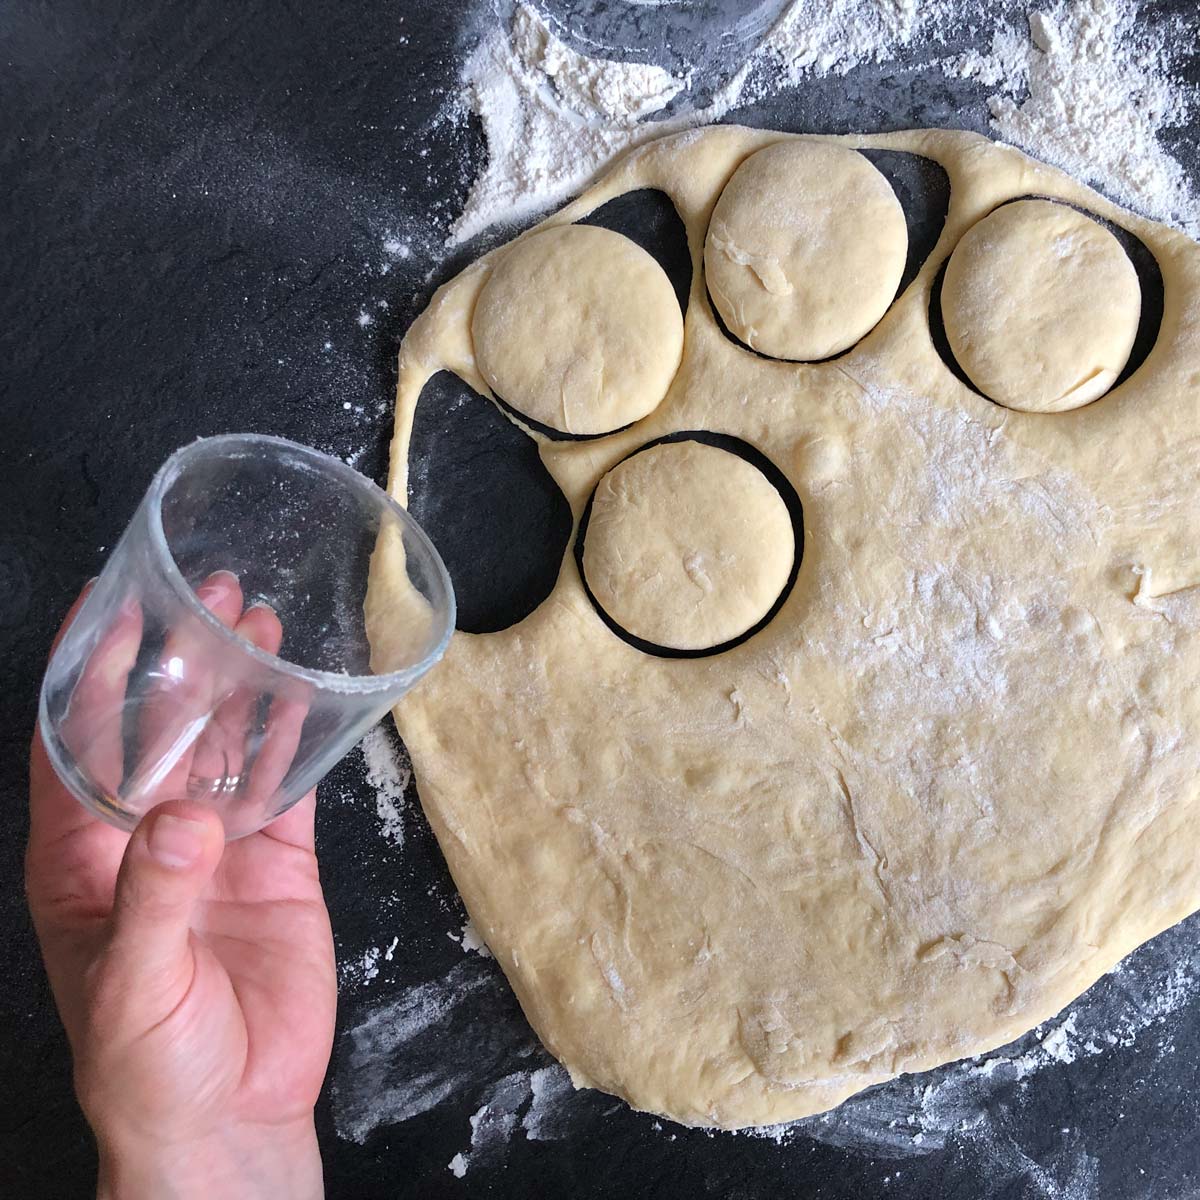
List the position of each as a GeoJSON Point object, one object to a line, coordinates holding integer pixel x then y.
{"type": "Point", "coordinates": [169, 860]}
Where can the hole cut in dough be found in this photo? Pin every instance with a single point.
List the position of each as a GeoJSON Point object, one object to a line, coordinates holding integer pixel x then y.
{"type": "Point", "coordinates": [578, 329]}
{"type": "Point", "coordinates": [805, 250]}
{"type": "Point", "coordinates": [688, 545]}
{"type": "Point", "coordinates": [1041, 306]}
{"type": "Point", "coordinates": [649, 217]}
{"type": "Point", "coordinates": [503, 527]}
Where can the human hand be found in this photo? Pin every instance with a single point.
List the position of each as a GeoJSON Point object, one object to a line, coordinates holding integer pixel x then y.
{"type": "Point", "coordinates": [195, 979]}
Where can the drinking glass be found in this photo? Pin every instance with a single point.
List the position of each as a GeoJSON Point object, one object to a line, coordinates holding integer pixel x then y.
{"type": "Point", "coordinates": [222, 655]}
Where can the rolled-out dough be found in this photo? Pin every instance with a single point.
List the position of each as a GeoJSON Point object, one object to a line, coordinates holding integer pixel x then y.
{"type": "Point", "coordinates": [578, 328]}
{"type": "Point", "coordinates": [687, 545]}
{"type": "Point", "coordinates": [952, 782]}
{"type": "Point", "coordinates": [805, 249]}
{"type": "Point", "coordinates": [1041, 306]}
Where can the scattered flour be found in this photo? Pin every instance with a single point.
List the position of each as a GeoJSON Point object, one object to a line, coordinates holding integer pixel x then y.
{"type": "Point", "coordinates": [462, 1038]}
{"type": "Point", "coordinates": [1090, 91]}
{"type": "Point", "coordinates": [548, 1116]}
{"type": "Point", "coordinates": [822, 37]}
{"type": "Point", "coordinates": [1085, 87]}
{"type": "Point", "coordinates": [449, 1038]}
{"type": "Point", "coordinates": [359, 971]}
{"type": "Point", "coordinates": [532, 1101]}
{"type": "Point", "coordinates": [553, 117]}
{"type": "Point", "coordinates": [389, 775]}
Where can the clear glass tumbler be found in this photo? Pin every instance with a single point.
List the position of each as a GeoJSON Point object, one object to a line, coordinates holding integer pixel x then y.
{"type": "Point", "coordinates": [222, 654]}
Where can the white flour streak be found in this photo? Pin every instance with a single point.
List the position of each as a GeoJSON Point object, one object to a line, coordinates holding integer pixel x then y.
{"type": "Point", "coordinates": [458, 1038]}
{"type": "Point", "coordinates": [389, 775]}
{"type": "Point", "coordinates": [823, 38]}
{"type": "Point", "coordinates": [551, 118]}
{"type": "Point", "coordinates": [548, 1117]}
{"type": "Point", "coordinates": [409, 1054]}
{"type": "Point", "coordinates": [535, 1102]}
{"type": "Point", "coordinates": [462, 1039]}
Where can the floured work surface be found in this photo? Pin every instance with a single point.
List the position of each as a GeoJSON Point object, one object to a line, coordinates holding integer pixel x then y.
{"type": "Point", "coordinates": [947, 781]}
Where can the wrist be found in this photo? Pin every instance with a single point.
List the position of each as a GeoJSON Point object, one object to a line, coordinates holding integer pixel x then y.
{"type": "Point", "coordinates": [243, 1162]}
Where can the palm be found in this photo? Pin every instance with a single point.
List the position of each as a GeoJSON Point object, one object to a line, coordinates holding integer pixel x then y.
{"type": "Point", "coordinates": [266, 931]}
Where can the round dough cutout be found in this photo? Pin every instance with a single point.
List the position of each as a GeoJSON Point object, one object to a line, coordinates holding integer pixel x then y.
{"type": "Point", "coordinates": [1041, 306]}
{"type": "Point", "coordinates": [805, 250]}
{"type": "Point", "coordinates": [688, 546]}
{"type": "Point", "coordinates": [578, 328]}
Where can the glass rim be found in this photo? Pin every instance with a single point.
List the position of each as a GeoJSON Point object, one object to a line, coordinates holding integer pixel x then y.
{"type": "Point", "coordinates": [335, 681]}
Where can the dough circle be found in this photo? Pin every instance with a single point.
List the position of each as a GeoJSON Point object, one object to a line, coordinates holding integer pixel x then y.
{"type": "Point", "coordinates": [688, 545]}
{"type": "Point", "coordinates": [1041, 306]}
{"type": "Point", "coordinates": [805, 250]}
{"type": "Point", "coordinates": [579, 329]}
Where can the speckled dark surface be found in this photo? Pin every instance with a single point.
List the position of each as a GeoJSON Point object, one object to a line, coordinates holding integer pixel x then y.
{"type": "Point", "coordinates": [195, 199]}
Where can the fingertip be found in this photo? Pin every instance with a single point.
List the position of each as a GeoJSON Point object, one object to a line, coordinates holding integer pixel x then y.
{"type": "Point", "coordinates": [260, 625]}
{"type": "Point", "coordinates": [221, 594]}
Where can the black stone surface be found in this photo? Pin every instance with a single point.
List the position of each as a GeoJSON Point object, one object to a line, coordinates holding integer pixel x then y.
{"type": "Point", "coordinates": [194, 207]}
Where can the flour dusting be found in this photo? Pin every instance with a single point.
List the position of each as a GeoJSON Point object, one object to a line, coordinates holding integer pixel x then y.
{"type": "Point", "coordinates": [359, 971]}
{"type": "Point", "coordinates": [389, 775]}
{"type": "Point", "coordinates": [1090, 90]}
{"type": "Point", "coordinates": [553, 117]}
{"type": "Point", "coordinates": [1081, 83]}
{"type": "Point", "coordinates": [460, 1037]}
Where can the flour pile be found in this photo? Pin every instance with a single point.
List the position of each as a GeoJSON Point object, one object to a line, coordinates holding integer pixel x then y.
{"type": "Point", "coordinates": [1081, 83]}
{"type": "Point", "coordinates": [1090, 91]}
{"type": "Point", "coordinates": [551, 117]}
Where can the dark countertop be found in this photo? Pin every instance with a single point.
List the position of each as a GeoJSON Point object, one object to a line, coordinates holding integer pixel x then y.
{"type": "Point", "coordinates": [196, 203]}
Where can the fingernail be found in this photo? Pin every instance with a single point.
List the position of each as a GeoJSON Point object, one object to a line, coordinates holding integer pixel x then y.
{"type": "Point", "coordinates": [176, 842]}
{"type": "Point", "coordinates": [216, 587]}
